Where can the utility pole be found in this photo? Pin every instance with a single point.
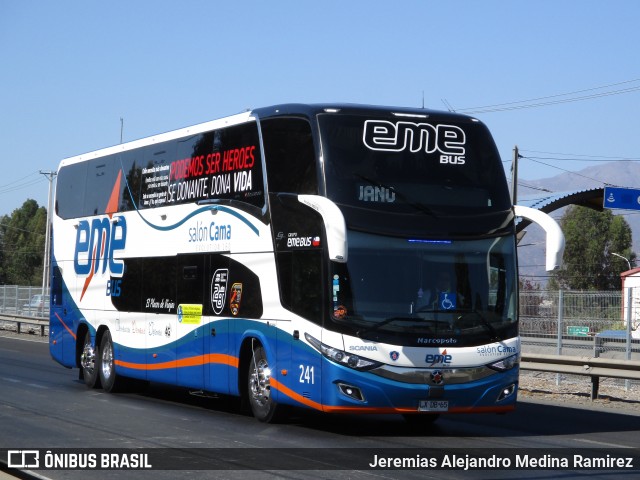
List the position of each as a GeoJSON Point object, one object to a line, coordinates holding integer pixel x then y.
{"type": "Point", "coordinates": [47, 244]}
{"type": "Point", "coordinates": [514, 176]}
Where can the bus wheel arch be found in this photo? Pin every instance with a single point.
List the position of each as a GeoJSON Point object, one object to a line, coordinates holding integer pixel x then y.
{"type": "Point", "coordinates": [244, 358]}
{"type": "Point", "coordinates": [245, 354]}
{"type": "Point", "coordinates": [254, 382]}
{"type": "Point", "coordinates": [80, 339]}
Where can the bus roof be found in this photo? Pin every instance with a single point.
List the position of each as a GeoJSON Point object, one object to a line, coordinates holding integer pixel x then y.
{"type": "Point", "coordinates": [313, 109]}
{"type": "Point", "coordinates": [288, 109]}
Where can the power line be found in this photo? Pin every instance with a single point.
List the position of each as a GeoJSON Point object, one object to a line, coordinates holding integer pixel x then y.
{"type": "Point", "coordinates": [31, 232]}
{"type": "Point", "coordinates": [568, 171]}
{"type": "Point", "coordinates": [557, 156]}
{"type": "Point", "coordinates": [555, 99]}
{"type": "Point", "coordinates": [635, 80]}
{"type": "Point", "coordinates": [18, 180]}
{"type": "Point", "coordinates": [571, 157]}
{"type": "Point", "coordinates": [541, 189]}
{"type": "Point", "coordinates": [21, 183]}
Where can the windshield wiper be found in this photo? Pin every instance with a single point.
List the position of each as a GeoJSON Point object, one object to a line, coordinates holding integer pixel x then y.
{"type": "Point", "coordinates": [412, 203]}
{"type": "Point", "coordinates": [493, 334]}
{"type": "Point", "coordinates": [386, 321]}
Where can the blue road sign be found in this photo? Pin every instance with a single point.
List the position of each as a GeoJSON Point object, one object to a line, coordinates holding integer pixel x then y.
{"type": "Point", "coordinates": [625, 198]}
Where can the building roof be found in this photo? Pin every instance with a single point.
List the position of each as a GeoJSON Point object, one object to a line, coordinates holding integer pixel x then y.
{"type": "Point", "coordinates": [590, 198]}
{"type": "Point", "coordinates": [630, 273]}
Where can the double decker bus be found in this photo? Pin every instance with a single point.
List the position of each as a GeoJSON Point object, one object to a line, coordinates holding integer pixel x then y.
{"type": "Point", "coordinates": [343, 258]}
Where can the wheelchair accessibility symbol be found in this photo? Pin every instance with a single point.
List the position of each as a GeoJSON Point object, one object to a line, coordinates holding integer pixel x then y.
{"type": "Point", "coordinates": [447, 301]}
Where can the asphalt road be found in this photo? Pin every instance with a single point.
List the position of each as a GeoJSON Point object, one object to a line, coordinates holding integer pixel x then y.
{"type": "Point", "coordinates": [44, 406]}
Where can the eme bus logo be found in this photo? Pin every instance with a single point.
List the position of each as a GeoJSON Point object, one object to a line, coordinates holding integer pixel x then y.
{"type": "Point", "coordinates": [438, 358]}
{"type": "Point", "coordinates": [97, 243]}
{"type": "Point", "coordinates": [449, 140]}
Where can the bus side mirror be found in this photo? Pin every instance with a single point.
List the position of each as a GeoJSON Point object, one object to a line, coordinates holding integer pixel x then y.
{"type": "Point", "coordinates": [555, 238]}
{"type": "Point", "coordinates": [334, 225]}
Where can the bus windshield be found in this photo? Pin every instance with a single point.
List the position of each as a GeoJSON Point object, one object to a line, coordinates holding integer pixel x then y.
{"type": "Point", "coordinates": [411, 165]}
{"type": "Point", "coordinates": [463, 290]}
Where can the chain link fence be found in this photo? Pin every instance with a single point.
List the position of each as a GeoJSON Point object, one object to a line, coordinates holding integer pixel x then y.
{"type": "Point", "coordinates": [594, 324]}
{"type": "Point", "coordinates": [28, 301]}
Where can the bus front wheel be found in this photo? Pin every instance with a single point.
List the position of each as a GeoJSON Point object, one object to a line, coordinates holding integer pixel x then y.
{"type": "Point", "coordinates": [263, 406]}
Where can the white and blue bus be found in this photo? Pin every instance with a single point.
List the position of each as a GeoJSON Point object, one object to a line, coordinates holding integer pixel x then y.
{"type": "Point", "coordinates": [344, 258]}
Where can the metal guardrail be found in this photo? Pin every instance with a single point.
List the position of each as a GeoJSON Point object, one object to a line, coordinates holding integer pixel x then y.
{"type": "Point", "coordinates": [23, 319]}
{"type": "Point", "coordinates": [599, 344]}
{"type": "Point", "coordinates": [590, 366]}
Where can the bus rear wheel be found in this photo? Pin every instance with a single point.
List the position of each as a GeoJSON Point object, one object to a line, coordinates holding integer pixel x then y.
{"type": "Point", "coordinates": [88, 363]}
{"type": "Point", "coordinates": [263, 406]}
{"type": "Point", "coordinates": [108, 376]}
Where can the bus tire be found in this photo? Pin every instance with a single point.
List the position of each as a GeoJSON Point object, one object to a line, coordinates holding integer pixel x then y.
{"type": "Point", "coordinates": [263, 407]}
{"type": "Point", "coordinates": [106, 370]}
{"type": "Point", "coordinates": [89, 363]}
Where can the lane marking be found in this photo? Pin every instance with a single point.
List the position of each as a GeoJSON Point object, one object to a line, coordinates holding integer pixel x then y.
{"type": "Point", "coordinates": [37, 386]}
{"type": "Point", "coordinates": [606, 444]}
{"type": "Point", "coordinates": [13, 380]}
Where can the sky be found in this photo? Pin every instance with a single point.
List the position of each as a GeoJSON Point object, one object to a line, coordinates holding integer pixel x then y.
{"type": "Point", "coordinates": [559, 79]}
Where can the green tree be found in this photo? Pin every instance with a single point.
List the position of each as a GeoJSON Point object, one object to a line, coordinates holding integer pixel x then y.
{"type": "Point", "coordinates": [22, 238]}
{"type": "Point", "coordinates": [591, 237]}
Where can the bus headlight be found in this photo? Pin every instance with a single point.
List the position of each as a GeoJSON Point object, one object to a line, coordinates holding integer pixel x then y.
{"type": "Point", "coordinates": [341, 357]}
{"type": "Point", "coordinates": [505, 364]}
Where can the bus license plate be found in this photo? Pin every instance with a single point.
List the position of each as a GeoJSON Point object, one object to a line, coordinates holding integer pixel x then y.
{"type": "Point", "coordinates": [433, 406]}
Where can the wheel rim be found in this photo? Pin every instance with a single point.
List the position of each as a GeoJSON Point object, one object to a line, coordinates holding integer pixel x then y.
{"type": "Point", "coordinates": [88, 358]}
{"type": "Point", "coordinates": [259, 384]}
{"type": "Point", "coordinates": [107, 360]}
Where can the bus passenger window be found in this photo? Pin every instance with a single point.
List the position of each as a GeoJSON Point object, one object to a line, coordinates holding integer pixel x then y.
{"type": "Point", "coordinates": [70, 190]}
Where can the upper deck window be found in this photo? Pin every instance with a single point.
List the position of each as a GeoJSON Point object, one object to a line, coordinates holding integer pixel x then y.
{"type": "Point", "coordinates": [218, 165]}
{"type": "Point", "coordinates": [224, 164]}
{"type": "Point", "coordinates": [407, 164]}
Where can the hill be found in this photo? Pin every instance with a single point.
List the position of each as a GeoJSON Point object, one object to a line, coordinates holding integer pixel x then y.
{"type": "Point", "coordinates": [619, 174]}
